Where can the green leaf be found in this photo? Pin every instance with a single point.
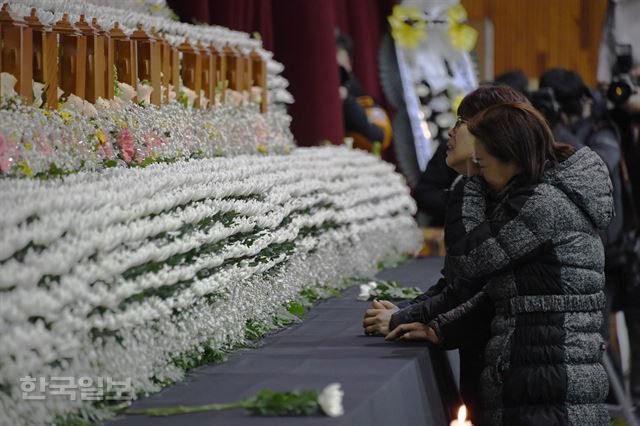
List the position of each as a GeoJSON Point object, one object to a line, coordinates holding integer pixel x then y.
{"type": "Point", "coordinates": [296, 309]}
{"type": "Point", "coordinates": [391, 290]}
{"type": "Point", "coordinates": [292, 403]}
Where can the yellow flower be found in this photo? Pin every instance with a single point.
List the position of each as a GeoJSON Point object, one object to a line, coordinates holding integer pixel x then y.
{"type": "Point", "coordinates": [65, 116]}
{"type": "Point", "coordinates": [456, 14]}
{"type": "Point", "coordinates": [408, 26]}
{"type": "Point", "coordinates": [101, 137]}
{"type": "Point", "coordinates": [26, 170]}
{"type": "Point", "coordinates": [28, 146]}
{"type": "Point", "coordinates": [262, 149]}
{"type": "Point", "coordinates": [463, 37]}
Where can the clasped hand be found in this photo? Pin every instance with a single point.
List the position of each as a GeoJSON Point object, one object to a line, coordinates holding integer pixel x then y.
{"type": "Point", "coordinates": [376, 320]}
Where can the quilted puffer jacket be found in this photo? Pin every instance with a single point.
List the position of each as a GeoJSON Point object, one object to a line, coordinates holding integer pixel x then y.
{"type": "Point", "coordinates": [543, 263]}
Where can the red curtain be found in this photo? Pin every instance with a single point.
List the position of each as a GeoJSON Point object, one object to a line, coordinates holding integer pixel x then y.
{"type": "Point", "coordinates": [300, 33]}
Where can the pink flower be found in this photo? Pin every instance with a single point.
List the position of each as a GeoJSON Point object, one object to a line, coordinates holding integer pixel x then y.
{"type": "Point", "coordinates": [125, 143]}
{"type": "Point", "coordinates": [139, 156]}
{"type": "Point", "coordinates": [5, 157]}
{"type": "Point", "coordinates": [105, 151]}
{"type": "Point", "coordinates": [148, 143]}
{"type": "Point", "coordinates": [45, 146]}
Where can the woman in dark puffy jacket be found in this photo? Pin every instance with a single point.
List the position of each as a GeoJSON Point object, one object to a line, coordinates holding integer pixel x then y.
{"type": "Point", "coordinates": [450, 291]}
{"type": "Point", "coordinates": [542, 259]}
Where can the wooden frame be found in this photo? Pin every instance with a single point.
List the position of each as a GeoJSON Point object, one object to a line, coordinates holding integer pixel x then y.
{"type": "Point", "coordinates": [125, 57]}
{"type": "Point", "coordinates": [72, 58]}
{"type": "Point", "coordinates": [191, 69]}
{"type": "Point", "coordinates": [149, 61]}
{"type": "Point", "coordinates": [16, 57]}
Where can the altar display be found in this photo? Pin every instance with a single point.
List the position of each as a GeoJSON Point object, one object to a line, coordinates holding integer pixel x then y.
{"type": "Point", "coordinates": [155, 210]}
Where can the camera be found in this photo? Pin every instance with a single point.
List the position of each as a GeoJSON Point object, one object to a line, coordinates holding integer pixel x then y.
{"type": "Point", "coordinates": [622, 85]}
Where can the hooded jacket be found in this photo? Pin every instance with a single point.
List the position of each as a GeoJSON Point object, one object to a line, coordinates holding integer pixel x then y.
{"type": "Point", "coordinates": [543, 261]}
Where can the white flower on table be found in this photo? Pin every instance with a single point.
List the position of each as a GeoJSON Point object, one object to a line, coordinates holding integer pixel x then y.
{"type": "Point", "coordinates": [365, 290]}
{"type": "Point", "coordinates": [330, 400]}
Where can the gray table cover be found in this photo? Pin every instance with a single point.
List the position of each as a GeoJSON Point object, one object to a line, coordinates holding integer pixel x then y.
{"type": "Point", "coordinates": [384, 383]}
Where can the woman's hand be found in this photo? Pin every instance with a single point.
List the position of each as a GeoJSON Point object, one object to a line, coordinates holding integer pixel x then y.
{"type": "Point", "coordinates": [376, 320]}
{"type": "Point", "coordinates": [413, 331]}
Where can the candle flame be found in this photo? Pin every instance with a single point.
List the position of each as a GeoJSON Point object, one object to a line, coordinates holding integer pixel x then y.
{"type": "Point", "coordinates": [462, 414]}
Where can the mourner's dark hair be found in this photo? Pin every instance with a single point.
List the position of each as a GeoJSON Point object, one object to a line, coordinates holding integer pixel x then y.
{"type": "Point", "coordinates": [518, 132]}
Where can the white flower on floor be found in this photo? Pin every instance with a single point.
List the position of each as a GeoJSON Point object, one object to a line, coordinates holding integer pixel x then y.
{"type": "Point", "coordinates": [365, 290]}
{"type": "Point", "coordinates": [330, 400]}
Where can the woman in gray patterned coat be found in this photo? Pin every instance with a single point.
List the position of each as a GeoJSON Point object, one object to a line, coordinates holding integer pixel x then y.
{"type": "Point", "coordinates": [543, 261]}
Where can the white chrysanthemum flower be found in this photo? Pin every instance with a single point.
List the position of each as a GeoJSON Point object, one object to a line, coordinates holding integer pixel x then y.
{"type": "Point", "coordinates": [190, 94]}
{"type": "Point", "coordinates": [127, 92]}
{"type": "Point", "coordinates": [7, 84]}
{"type": "Point", "coordinates": [144, 93]}
{"type": "Point", "coordinates": [38, 89]}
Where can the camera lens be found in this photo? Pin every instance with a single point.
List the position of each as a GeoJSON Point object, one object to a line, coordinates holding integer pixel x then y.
{"type": "Point", "coordinates": [619, 92]}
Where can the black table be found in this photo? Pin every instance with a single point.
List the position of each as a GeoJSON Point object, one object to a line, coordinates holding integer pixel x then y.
{"type": "Point", "coordinates": [384, 383]}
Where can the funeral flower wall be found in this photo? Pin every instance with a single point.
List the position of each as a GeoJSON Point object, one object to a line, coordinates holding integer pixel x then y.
{"type": "Point", "coordinates": [119, 273]}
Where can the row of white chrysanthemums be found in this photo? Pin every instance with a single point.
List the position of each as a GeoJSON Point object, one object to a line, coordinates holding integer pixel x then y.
{"type": "Point", "coordinates": [88, 263]}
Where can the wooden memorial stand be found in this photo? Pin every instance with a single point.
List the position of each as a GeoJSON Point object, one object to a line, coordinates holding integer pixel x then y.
{"type": "Point", "coordinates": [125, 57]}
{"type": "Point", "coordinates": [259, 68]}
{"type": "Point", "coordinates": [16, 55]}
{"type": "Point", "coordinates": [220, 70]}
{"type": "Point", "coordinates": [149, 61]}
{"type": "Point", "coordinates": [45, 58]}
{"type": "Point", "coordinates": [208, 73]}
{"type": "Point", "coordinates": [191, 69]}
{"type": "Point", "coordinates": [234, 68]}
{"type": "Point", "coordinates": [165, 65]}
{"type": "Point", "coordinates": [95, 64]}
{"type": "Point", "coordinates": [107, 50]}
{"type": "Point", "coordinates": [72, 58]}
{"type": "Point", "coordinates": [247, 70]}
